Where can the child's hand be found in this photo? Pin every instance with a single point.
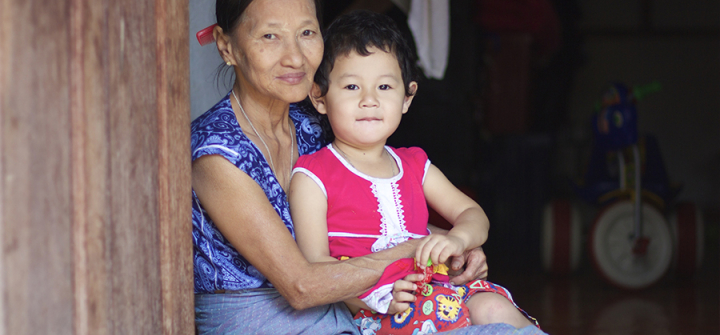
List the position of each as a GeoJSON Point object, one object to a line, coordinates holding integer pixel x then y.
{"type": "Point", "coordinates": [403, 293]}
{"type": "Point", "coordinates": [438, 248]}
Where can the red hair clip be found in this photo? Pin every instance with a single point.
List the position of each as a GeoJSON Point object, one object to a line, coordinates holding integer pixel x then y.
{"type": "Point", "coordinates": [205, 36]}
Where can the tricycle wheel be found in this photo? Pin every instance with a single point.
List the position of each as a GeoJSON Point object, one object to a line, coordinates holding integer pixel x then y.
{"type": "Point", "coordinates": [621, 259]}
{"type": "Point", "coordinates": [561, 237]}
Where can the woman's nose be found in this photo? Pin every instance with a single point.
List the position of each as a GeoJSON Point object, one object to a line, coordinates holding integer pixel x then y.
{"type": "Point", "coordinates": [293, 56]}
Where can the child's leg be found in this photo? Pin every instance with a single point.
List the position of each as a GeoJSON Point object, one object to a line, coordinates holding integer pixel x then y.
{"type": "Point", "coordinates": [488, 307]}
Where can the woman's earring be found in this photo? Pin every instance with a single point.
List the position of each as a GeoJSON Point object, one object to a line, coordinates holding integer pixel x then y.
{"type": "Point", "coordinates": [228, 63]}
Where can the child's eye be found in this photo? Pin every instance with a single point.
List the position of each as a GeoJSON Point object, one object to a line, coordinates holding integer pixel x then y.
{"type": "Point", "coordinates": [351, 87]}
{"type": "Point", "coordinates": [384, 87]}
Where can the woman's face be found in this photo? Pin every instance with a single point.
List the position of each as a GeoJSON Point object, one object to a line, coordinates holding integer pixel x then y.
{"type": "Point", "coordinates": [277, 48]}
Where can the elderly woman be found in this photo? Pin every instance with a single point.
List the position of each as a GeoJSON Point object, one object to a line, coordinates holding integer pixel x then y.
{"type": "Point", "coordinates": [250, 276]}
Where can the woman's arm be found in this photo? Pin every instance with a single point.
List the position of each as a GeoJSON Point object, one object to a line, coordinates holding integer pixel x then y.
{"type": "Point", "coordinates": [240, 210]}
{"type": "Point", "coordinates": [470, 224]}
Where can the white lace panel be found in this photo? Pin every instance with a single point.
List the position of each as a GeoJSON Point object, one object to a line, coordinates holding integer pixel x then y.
{"type": "Point", "coordinates": [390, 208]}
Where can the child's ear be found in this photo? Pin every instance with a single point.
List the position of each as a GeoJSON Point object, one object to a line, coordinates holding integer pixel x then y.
{"type": "Point", "coordinates": [412, 88]}
{"type": "Point", "coordinates": [317, 100]}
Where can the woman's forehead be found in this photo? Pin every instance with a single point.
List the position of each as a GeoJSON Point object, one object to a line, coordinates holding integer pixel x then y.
{"type": "Point", "coordinates": [280, 12]}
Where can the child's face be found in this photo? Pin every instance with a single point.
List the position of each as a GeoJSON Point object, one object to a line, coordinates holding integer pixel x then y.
{"type": "Point", "coordinates": [366, 98]}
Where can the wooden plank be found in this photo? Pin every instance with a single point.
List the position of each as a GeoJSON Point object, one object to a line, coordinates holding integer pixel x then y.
{"type": "Point", "coordinates": [36, 218]}
{"type": "Point", "coordinates": [134, 252]}
{"type": "Point", "coordinates": [173, 99]}
{"type": "Point", "coordinates": [90, 160]}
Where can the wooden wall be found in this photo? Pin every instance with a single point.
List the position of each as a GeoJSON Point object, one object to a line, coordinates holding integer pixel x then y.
{"type": "Point", "coordinates": [95, 167]}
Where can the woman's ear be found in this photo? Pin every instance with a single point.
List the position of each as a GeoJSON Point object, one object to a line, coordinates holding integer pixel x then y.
{"type": "Point", "coordinates": [222, 41]}
{"type": "Point", "coordinates": [317, 100]}
{"type": "Point", "coordinates": [412, 88]}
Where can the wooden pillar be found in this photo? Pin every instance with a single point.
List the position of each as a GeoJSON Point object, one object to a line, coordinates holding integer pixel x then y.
{"type": "Point", "coordinates": [95, 167]}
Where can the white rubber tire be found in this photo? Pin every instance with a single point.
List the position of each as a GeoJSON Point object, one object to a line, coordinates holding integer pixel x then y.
{"type": "Point", "coordinates": [611, 246]}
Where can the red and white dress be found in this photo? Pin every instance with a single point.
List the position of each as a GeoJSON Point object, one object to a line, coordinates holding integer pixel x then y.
{"type": "Point", "coordinates": [367, 214]}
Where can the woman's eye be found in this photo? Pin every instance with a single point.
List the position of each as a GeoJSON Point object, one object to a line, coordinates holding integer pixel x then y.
{"type": "Point", "coordinates": [384, 87]}
{"type": "Point", "coordinates": [308, 32]}
{"type": "Point", "coordinates": [351, 87]}
{"type": "Point", "coordinates": [269, 36]}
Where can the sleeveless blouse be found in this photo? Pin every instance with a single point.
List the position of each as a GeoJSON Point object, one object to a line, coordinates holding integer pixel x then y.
{"type": "Point", "coordinates": [367, 214]}
{"type": "Point", "coordinates": [217, 264]}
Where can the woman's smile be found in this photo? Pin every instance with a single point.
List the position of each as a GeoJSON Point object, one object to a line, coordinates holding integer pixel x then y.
{"type": "Point", "coordinates": [293, 78]}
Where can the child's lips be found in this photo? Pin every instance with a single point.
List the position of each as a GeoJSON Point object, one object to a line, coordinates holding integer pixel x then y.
{"type": "Point", "coordinates": [368, 119]}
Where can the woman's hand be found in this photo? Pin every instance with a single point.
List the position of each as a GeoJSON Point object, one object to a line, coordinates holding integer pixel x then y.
{"type": "Point", "coordinates": [475, 267]}
{"type": "Point", "coordinates": [438, 248]}
{"type": "Point", "coordinates": [404, 293]}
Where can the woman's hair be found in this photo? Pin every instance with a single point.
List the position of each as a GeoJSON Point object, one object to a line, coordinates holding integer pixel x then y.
{"type": "Point", "coordinates": [229, 12]}
{"type": "Point", "coordinates": [358, 31]}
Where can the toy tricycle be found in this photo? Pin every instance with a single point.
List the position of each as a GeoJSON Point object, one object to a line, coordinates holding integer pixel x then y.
{"type": "Point", "coordinates": [631, 242]}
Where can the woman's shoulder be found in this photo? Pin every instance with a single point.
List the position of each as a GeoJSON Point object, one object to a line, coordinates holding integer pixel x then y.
{"type": "Point", "coordinates": [217, 116]}
{"type": "Point", "coordinates": [216, 132]}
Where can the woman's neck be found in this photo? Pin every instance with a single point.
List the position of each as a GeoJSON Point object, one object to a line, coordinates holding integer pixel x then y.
{"type": "Point", "coordinates": [267, 114]}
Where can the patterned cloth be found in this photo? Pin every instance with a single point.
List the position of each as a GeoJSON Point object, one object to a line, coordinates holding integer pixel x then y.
{"type": "Point", "coordinates": [442, 309]}
{"type": "Point", "coordinates": [217, 265]}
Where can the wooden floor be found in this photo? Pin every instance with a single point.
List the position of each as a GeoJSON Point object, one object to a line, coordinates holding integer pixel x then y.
{"type": "Point", "coordinates": [583, 304]}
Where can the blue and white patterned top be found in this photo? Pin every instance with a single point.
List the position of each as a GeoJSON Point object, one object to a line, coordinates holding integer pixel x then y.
{"type": "Point", "coordinates": [217, 265]}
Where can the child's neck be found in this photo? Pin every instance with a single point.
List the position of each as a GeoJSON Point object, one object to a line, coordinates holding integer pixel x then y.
{"type": "Point", "coordinates": [373, 161]}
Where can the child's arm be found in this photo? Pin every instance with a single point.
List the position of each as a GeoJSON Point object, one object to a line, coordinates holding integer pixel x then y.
{"type": "Point", "coordinates": [470, 224]}
{"type": "Point", "coordinates": [308, 206]}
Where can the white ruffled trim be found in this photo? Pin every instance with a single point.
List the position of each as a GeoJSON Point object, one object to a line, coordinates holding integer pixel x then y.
{"type": "Point", "coordinates": [379, 300]}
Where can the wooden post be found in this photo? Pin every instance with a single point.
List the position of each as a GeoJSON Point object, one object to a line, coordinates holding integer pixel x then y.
{"type": "Point", "coordinates": [95, 168]}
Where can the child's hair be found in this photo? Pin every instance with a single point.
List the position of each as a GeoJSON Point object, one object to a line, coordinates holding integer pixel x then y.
{"type": "Point", "coordinates": [358, 31]}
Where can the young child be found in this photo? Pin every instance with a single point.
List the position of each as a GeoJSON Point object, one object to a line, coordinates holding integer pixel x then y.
{"type": "Point", "coordinates": [358, 196]}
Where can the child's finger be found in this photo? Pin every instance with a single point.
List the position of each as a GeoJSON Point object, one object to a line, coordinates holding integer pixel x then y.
{"type": "Point", "coordinates": [403, 285]}
{"type": "Point", "coordinates": [404, 297]}
{"type": "Point", "coordinates": [446, 252]}
{"type": "Point", "coordinates": [418, 252]}
{"type": "Point", "coordinates": [423, 254]}
{"type": "Point", "coordinates": [437, 251]}
{"type": "Point", "coordinates": [414, 277]}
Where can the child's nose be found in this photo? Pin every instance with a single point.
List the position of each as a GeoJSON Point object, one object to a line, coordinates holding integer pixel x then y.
{"type": "Point", "coordinates": [369, 100]}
